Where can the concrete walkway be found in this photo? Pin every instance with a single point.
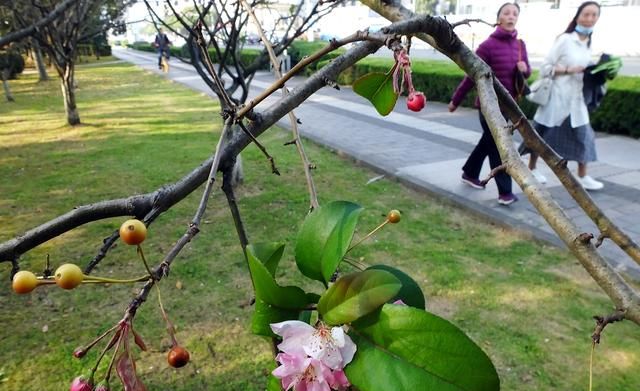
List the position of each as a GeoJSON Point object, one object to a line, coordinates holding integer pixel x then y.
{"type": "Point", "coordinates": [428, 149]}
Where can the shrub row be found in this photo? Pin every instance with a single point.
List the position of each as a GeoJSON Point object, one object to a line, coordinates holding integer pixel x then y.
{"type": "Point", "coordinates": [297, 51]}
{"type": "Point", "coordinates": [618, 113]}
{"type": "Point", "coordinates": [247, 56]}
{"type": "Point", "coordinates": [88, 49]}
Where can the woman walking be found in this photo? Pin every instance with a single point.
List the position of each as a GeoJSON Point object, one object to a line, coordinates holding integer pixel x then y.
{"type": "Point", "coordinates": [564, 121]}
{"type": "Point", "coordinates": [506, 55]}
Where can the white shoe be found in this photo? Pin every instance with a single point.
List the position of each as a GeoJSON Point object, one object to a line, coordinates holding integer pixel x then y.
{"type": "Point", "coordinates": [539, 177]}
{"type": "Point", "coordinates": [589, 183]}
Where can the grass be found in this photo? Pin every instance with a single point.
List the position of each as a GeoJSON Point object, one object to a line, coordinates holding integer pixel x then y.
{"type": "Point", "coordinates": [528, 305]}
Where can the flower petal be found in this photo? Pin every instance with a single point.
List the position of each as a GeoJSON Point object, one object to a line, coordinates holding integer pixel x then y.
{"type": "Point", "coordinates": [294, 333]}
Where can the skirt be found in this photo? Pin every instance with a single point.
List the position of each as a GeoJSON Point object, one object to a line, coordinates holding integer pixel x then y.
{"type": "Point", "coordinates": [573, 144]}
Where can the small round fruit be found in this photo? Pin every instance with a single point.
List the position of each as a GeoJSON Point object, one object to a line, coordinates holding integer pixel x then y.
{"type": "Point", "coordinates": [24, 282]}
{"type": "Point", "coordinates": [416, 101]}
{"type": "Point", "coordinates": [133, 232]}
{"type": "Point", "coordinates": [393, 216]}
{"type": "Point", "coordinates": [68, 276]}
{"type": "Point", "coordinates": [178, 357]}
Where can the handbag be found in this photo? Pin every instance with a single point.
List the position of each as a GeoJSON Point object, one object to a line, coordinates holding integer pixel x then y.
{"type": "Point", "coordinates": [540, 91]}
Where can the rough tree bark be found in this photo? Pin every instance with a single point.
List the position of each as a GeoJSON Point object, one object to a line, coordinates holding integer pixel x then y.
{"type": "Point", "coordinates": [37, 54]}
{"type": "Point", "coordinates": [68, 93]}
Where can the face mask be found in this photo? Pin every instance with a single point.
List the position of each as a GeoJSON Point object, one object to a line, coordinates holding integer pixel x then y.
{"type": "Point", "coordinates": [583, 30]}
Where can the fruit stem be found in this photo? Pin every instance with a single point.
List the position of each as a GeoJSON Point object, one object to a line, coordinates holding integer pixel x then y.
{"type": "Point", "coordinates": [96, 279]}
{"type": "Point", "coordinates": [368, 235]}
{"type": "Point", "coordinates": [115, 353]}
{"type": "Point", "coordinates": [95, 341]}
{"type": "Point", "coordinates": [170, 327]}
{"type": "Point", "coordinates": [146, 265]}
{"type": "Point", "coordinates": [45, 281]}
{"type": "Point", "coordinates": [357, 264]}
{"type": "Point", "coordinates": [593, 347]}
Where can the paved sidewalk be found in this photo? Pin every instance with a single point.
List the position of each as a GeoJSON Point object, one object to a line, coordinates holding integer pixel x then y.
{"type": "Point", "coordinates": [428, 149]}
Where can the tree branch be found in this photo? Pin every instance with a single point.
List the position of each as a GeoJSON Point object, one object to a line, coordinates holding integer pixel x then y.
{"type": "Point", "coordinates": [32, 29]}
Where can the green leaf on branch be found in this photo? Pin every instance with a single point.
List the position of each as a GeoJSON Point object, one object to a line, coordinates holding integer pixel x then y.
{"type": "Point", "coordinates": [324, 238]}
{"type": "Point", "coordinates": [356, 295]}
{"type": "Point", "coordinates": [410, 293]}
{"type": "Point", "coordinates": [268, 253]}
{"type": "Point", "coordinates": [264, 314]}
{"type": "Point", "coordinates": [410, 349]}
{"type": "Point", "coordinates": [377, 87]}
{"type": "Point", "coordinates": [267, 290]}
{"type": "Point", "coordinates": [273, 383]}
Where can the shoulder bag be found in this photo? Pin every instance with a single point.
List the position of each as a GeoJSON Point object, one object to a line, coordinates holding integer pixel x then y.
{"type": "Point", "coordinates": [540, 90]}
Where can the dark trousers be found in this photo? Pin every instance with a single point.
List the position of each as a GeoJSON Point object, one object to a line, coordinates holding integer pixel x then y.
{"type": "Point", "coordinates": [487, 147]}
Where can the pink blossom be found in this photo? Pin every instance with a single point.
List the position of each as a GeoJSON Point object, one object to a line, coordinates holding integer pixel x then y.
{"type": "Point", "coordinates": [331, 346]}
{"type": "Point", "coordinates": [304, 373]}
{"type": "Point", "coordinates": [312, 359]}
{"type": "Point", "coordinates": [82, 383]}
{"type": "Point", "coordinates": [340, 381]}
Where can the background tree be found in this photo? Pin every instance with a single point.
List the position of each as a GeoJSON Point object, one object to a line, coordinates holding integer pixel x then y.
{"type": "Point", "coordinates": [75, 22]}
{"type": "Point", "coordinates": [217, 30]}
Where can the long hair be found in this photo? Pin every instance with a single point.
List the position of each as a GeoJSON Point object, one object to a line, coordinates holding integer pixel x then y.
{"type": "Point", "coordinates": [504, 5]}
{"type": "Point", "coordinates": [574, 22]}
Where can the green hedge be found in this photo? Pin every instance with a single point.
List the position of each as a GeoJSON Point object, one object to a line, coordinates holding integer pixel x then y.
{"type": "Point", "coordinates": [247, 56]}
{"type": "Point", "coordinates": [88, 49]}
{"type": "Point", "coordinates": [618, 113]}
{"type": "Point", "coordinates": [301, 49]}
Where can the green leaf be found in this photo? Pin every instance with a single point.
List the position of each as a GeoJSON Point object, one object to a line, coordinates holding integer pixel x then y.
{"type": "Point", "coordinates": [324, 239]}
{"type": "Point", "coordinates": [264, 314]}
{"type": "Point", "coordinates": [377, 87]}
{"type": "Point", "coordinates": [273, 383]}
{"type": "Point", "coordinates": [267, 290]}
{"type": "Point", "coordinates": [410, 349]}
{"type": "Point", "coordinates": [356, 295]}
{"type": "Point", "coordinates": [410, 293]}
{"type": "Point", "coordinates": [268, 253]}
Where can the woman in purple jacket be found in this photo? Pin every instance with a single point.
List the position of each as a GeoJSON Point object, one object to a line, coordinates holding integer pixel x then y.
{"type": "Point", "coordinates": [506, 55]}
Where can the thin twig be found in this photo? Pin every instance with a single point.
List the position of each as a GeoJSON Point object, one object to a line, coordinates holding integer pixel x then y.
{"type": "Point", "coordinates": [333, 45]}
{"type": "Point", "coordinates": [274, 169]}
{"type": "Point", "coordinates": [603, 321]}
{"type": "Point", "coordinates": [469, 21]}
{"type": "Point", "coordinates": [227, 188]}
{"type": "Point", "coordinates": [193, 229]}
{"type": "Point", "coordinates": [306, 164]}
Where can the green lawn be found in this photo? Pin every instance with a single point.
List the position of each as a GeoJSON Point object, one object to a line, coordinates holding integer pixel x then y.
{"type": "Point", "coordinates": [528, 305]}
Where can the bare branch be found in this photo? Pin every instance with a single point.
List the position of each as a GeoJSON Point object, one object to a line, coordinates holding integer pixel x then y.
{"type": "Point", "coordinates": [603, 321]}
{"type": "Point", "coordinates": [32, 29]}
{"type": "Point", "coordinates": [306, 164]}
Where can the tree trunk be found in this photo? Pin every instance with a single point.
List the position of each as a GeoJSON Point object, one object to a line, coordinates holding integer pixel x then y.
{"type": "Point", "coordinates": [4, 74]}
{"type": "Point", "coordinates": [42, 69]}
{"type": "Point", "coordinates": [69, 95]}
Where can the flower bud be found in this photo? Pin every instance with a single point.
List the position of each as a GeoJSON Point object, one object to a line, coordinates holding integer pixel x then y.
{"type": "Point", "coordinates": [79, 352]}
{"type": "Point", "coordinates": [82, 383]}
